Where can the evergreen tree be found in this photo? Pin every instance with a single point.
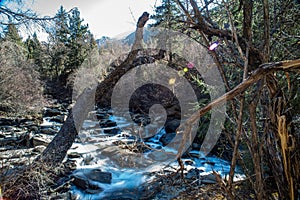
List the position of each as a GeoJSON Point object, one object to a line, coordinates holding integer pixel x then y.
{"type": "Point", "coordinates": [71, 43]}
{"type": "Point", "coordinates": [33, 46]}
{"type": "Point", "coordinates": [79, 42]}
{"type": "Point", "coordinates": [77, 31]}
{"type": "Point", "coordinates": [59, 47]}
{"type": "Point", "coordinates": [12, 34]}
{"type": "Point", "coordinates": [61, 25]}
{"type": "Point", "coordinates": [167, 14]}
{"type": "Point", "coordinates": [38, 54]}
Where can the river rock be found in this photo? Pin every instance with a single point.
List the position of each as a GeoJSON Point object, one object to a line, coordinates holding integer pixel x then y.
{"type": "Point", "coordinates": [33, 128]}
{"type": "Point", "coordinates": [112, 131]}
{"type": "Point", "coordinates": [107, 123]}
{"type": "Point", "coordinates": [60, 196]}
{"type": "Point", "coordinates": [74, 155]}
{"type": "Point", "coordinates": [172, 125]}
{"type": "Point", "coordinates": [99, 176]}
{"type": "Point", "coordinates": [41, 139]}
{"type": "Point", "coordinates": [9, 141]}
{"type": "Point", "coordinates": [50, 112]}
{"type": "Point", "coordinates": [208, 179]}
{"type": "Point", "coordinates": [48, 131]}
{"type": "Point", "coordinates": [38, 149]}
{"type": "Point", "coordinates": [102, 114]}
{"type": "Point", "coordinates": [167, 138]}
{"type": "Point", "coordinates": [82, 182]}
{"type": "Point", "coordinates": [7, 122]}
{"type": "Point", "coordinates": [70, 165]}
{"type": "Point", "coordinates": [7, 128]}
{"type": "Point", "coordinates": [58, 119]}
{"type": "Point", "coordinates": [193, 173]}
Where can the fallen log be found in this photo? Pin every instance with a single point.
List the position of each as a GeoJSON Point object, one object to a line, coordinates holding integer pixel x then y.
{"type": "Point", "coordinates": [57, 149]}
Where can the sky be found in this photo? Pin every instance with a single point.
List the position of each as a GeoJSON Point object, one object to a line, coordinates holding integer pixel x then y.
{"type": "Point", "coordinates": [110, 18]}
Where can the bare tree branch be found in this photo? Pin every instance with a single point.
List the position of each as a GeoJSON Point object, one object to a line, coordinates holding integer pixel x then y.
{"type": "Point", "coordinates": [258, 74]}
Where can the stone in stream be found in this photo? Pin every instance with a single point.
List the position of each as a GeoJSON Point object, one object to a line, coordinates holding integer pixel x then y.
{"type": "Point", "coordinates": [167, 138]}
{"type": "Point", "coordinates": [39, 149]}
{"type": "Point", "coordinates": [60, 196]}
{"type": "Point", "coordinates": [50, 112]}
{"type": "Point", "coordinates": [80, 181]}
{"type": "Point", "coordinates": [70, 166]}
{"type": "Point", "coordinates": [112, 131]}
{"type": "Point", "coordinates": [172, 125]}
{"type": "Point", "coordinates": [48, 131]}
{"type": "Point", "coordinates": [107, 123]}
{"type": "Point", "coordinates": [208, 179]}
{"type": "Point", "coordinates": [41, 139]}
{"type": "Point", "coordinates": [7, 122]}
{"type": "Point", "coordinates": [84, 181]}
{"type": "Point", "coordinates": [101, 114]}
{"type": "Point", "coordinates": [99, 176]}
{"type": "Point", "coordinates": [193, 173]}
{"type": "Point", "coordinates": [58, 119]}
{"type": "Point", "coordinates": [74, 155]}
{"type": "Point", "coordinates": [7, 128]}
{"type": "Point", "coordinates": [7, 141]}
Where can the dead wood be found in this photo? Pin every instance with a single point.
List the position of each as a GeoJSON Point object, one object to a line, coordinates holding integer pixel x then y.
{"type": "Point", "coordinates": [57, 149]}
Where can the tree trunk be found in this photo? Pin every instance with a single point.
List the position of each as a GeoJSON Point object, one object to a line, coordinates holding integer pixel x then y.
{"type": "Point", "coordinates": [57, 149]}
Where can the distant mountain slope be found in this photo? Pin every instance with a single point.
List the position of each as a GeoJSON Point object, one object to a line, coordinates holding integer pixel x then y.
{"type": "Point", "coordinates": [129, 39]}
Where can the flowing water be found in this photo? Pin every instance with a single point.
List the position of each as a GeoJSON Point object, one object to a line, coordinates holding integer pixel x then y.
{"type": "Point", "coordinates": [105, 148]}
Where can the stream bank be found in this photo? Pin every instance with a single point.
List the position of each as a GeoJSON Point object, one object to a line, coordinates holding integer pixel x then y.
{"type": "Point", "coordinates": [94, 170]}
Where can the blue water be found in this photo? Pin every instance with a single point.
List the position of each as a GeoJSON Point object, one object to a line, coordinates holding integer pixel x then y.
{"type": "Point", "coordinates": [126, 178]}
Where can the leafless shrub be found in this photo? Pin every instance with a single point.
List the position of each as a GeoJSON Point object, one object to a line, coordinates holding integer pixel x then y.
{"type": "Point", "coordinates": [21, 90]}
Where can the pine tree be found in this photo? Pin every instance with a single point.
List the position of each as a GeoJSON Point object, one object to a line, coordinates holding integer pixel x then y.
{"type": "Point", "coordinates": [59, 49]}
{"type": "Point", "coordinates": [71, 41]}
{"type": "Point", "coordinates": [167, 14]}
{"type": "Point", "coordinates": [33, 46]}
{"type": "Point", "coordinates": [78, 42]}
{"type": "Point", "coordinates": [37, 53]}
{"type": "Point", "coordinates": [12, 34]}
{"type": "Point", "coordinates": [61, 25]}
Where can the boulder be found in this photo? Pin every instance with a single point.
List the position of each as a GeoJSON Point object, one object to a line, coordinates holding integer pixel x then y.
{"type": "Point", "coordinates": [172, 125]}
{"type": "Point", "coordinates": [112, 131]}
{"type": "Point", "coordinates": [7, 122]}
{"type": "Point", "coordinates": [50, 112]}
{"type": "Point", "coordinates": [58, 119]}
{"type": "Point", "coordinates": [83, 183]}
{"type": "Point", "coordinates": [48, 131]}
{"type": "Point", "coordinates": [9, 141]}
{"type": "Point", "coordinates": [39, 149]}
{"type": "Point", "coordinates": [74, 155]}
{"type": "Point", "coordinates": [41, 140]}
{"type": "Point", "coordinates": [167, 138]}
{"type": "Point", "coordinates": [99, 176]}
{"type": "Point", "coordinates": [193, 174]}
{"type": "Point", "coordinates": [80, 182]}
{"type": "Point", "coordinates": [208, 179]}
{"type": "Point", "coordinates": [107, 123]}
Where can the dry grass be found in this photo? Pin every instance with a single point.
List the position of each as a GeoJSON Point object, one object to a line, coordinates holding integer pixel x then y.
{"type": "Point", "coordinates": [29, 182]}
